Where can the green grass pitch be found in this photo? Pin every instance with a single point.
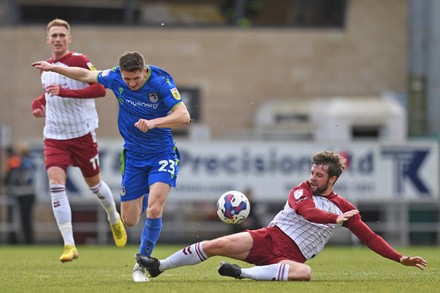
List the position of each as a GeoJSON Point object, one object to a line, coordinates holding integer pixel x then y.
{"type": "Point", "coordinates": [108, 269]}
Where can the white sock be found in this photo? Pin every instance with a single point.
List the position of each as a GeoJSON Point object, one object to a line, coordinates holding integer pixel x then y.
{"type": "Point", "coordinates": [190, 255]}
{"type": "Point", "coordinates": [62, 212]}
{"type": "Point", "coordinates": [105, 197]}
{"type": "Point", "coordinates": [275, 272]}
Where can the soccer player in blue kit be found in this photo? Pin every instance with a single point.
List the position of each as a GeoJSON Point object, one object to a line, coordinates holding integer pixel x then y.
{"type": "Point", "coordinates": [149, 106]}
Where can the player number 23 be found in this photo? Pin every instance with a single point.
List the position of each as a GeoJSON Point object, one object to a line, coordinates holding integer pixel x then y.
{"type": "Point", "coordinates": [167, 166]}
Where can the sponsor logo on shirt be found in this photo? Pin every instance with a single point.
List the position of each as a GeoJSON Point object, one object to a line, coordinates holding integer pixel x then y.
{"type": "Point", "coordinates": [175, 93]}
{"type": "Point", "coordinates": [124, 101]}
{"type": "Point", "coordinates": [153, 97]}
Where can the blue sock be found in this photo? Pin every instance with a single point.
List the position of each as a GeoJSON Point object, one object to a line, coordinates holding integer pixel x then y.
{"type": "Point", "coordinates": [150, 235]}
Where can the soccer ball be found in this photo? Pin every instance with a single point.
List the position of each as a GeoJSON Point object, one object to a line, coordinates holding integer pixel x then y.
{"type": "Point", "coordinates": [233, 207]}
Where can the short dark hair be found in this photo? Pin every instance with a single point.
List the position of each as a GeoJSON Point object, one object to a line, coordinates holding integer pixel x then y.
{"type": "Point", "coordinates": [335, 163]}
{"type": "Point", "coordinates": [131, 61]}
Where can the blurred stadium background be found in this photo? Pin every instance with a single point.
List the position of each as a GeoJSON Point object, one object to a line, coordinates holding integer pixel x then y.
{"type": "Point", "coordinates": [268, 83]}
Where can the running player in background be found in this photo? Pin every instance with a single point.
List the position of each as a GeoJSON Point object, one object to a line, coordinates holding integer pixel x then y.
{"type": "Point", "coordinates": [69, 136]}
{"type": "Point", "coordinates": [297, 233]}
{"type": "Point", "coordinates": [149, 106]}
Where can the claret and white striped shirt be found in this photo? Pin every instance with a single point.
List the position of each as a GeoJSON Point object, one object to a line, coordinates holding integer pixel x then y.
{"type": "Point", "coordinates": [66, 117]}
{"type": "Point", "coordinates": [309, 236]}
{"type": "Point", "coordinates": [310, 221]}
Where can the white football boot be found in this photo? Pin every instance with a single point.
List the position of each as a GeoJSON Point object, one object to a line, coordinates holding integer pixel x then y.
{"type": "Point", "coordinates": [139, 274]}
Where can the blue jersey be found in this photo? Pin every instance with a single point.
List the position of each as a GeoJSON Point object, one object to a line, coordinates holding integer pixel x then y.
{"type": "Point", "coordinates": [153, 100]}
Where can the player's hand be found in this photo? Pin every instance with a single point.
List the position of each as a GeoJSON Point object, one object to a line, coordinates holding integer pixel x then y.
{"type": "Point", "coordinates": [413, 261]}
{"type": "Point", "coordinates": [53, 90]}
{"type": "Point", "coordinates": [142, 125]}
{"type": "Point", "coordinates": [345, 216]}
{"type": "Point", "coordinates": [40, 112]}
{"type": "Point", "coordinates": [43, 65]}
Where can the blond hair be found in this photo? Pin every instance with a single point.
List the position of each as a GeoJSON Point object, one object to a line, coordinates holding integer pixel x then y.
{"type": "Point", "coordinates": [58, 22]}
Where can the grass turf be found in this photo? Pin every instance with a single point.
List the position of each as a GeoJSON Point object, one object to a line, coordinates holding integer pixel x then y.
{"type": "Point", "coordinates": [108, 269]}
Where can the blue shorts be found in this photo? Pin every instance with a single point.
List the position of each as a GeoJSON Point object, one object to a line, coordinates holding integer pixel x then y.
{"type": "Point", "coordinates": [139, 171]}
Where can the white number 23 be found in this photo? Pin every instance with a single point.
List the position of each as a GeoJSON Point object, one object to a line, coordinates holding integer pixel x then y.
{"type": "Point", "coordinates": [167, 166]}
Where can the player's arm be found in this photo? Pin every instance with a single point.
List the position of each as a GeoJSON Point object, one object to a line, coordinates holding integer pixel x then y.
{"type": "Point", "coordinates": [179, 116]}
{"type": "Point", "coordinates": [76, 73]}
{"type": "Point", "coordinates": [92, 91]}
{"type": "Point", "coordinates": [380, 246]}
{"type": "Point", "coordinates": [312, 214]}
{"type": "Point", "coordinates": [300, 200]}
{"type": "Point", "coordinates": [39, 106]}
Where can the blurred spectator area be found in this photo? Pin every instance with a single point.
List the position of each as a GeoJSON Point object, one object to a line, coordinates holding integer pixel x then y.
{"type": "Point", "coordinates": [300, 13]}
{"type": "Point", "coordinates": [338, 119]}
{"type": "Point", "coordinates": [225, 73]}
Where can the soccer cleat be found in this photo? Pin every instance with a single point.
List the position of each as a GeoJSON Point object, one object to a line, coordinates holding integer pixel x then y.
{"type": "Point", "coordinates": [229, 270]}
{"type": "Point", "coordinates": [119, 234]}
{"type": "Point", "coordinates": [151, 264]}
{"type": "Point", "coordinates": [138, 274]}
{"type": "Point", "coordinates": [70, 253]}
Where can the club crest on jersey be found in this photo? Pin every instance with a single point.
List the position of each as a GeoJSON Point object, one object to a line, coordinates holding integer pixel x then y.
{"type": "Point", "coordinates": [175, 93]}
{"type": "Point", "coordinates": [153, 97]}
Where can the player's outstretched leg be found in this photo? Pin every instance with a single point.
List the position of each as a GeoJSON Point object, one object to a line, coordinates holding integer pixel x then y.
{"type": "Point", "coordinates": [70, 253]}
{"type": "Point", "coordinates": [229, 270]}
{"type": "Point", "coordinates": [151, 264]}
